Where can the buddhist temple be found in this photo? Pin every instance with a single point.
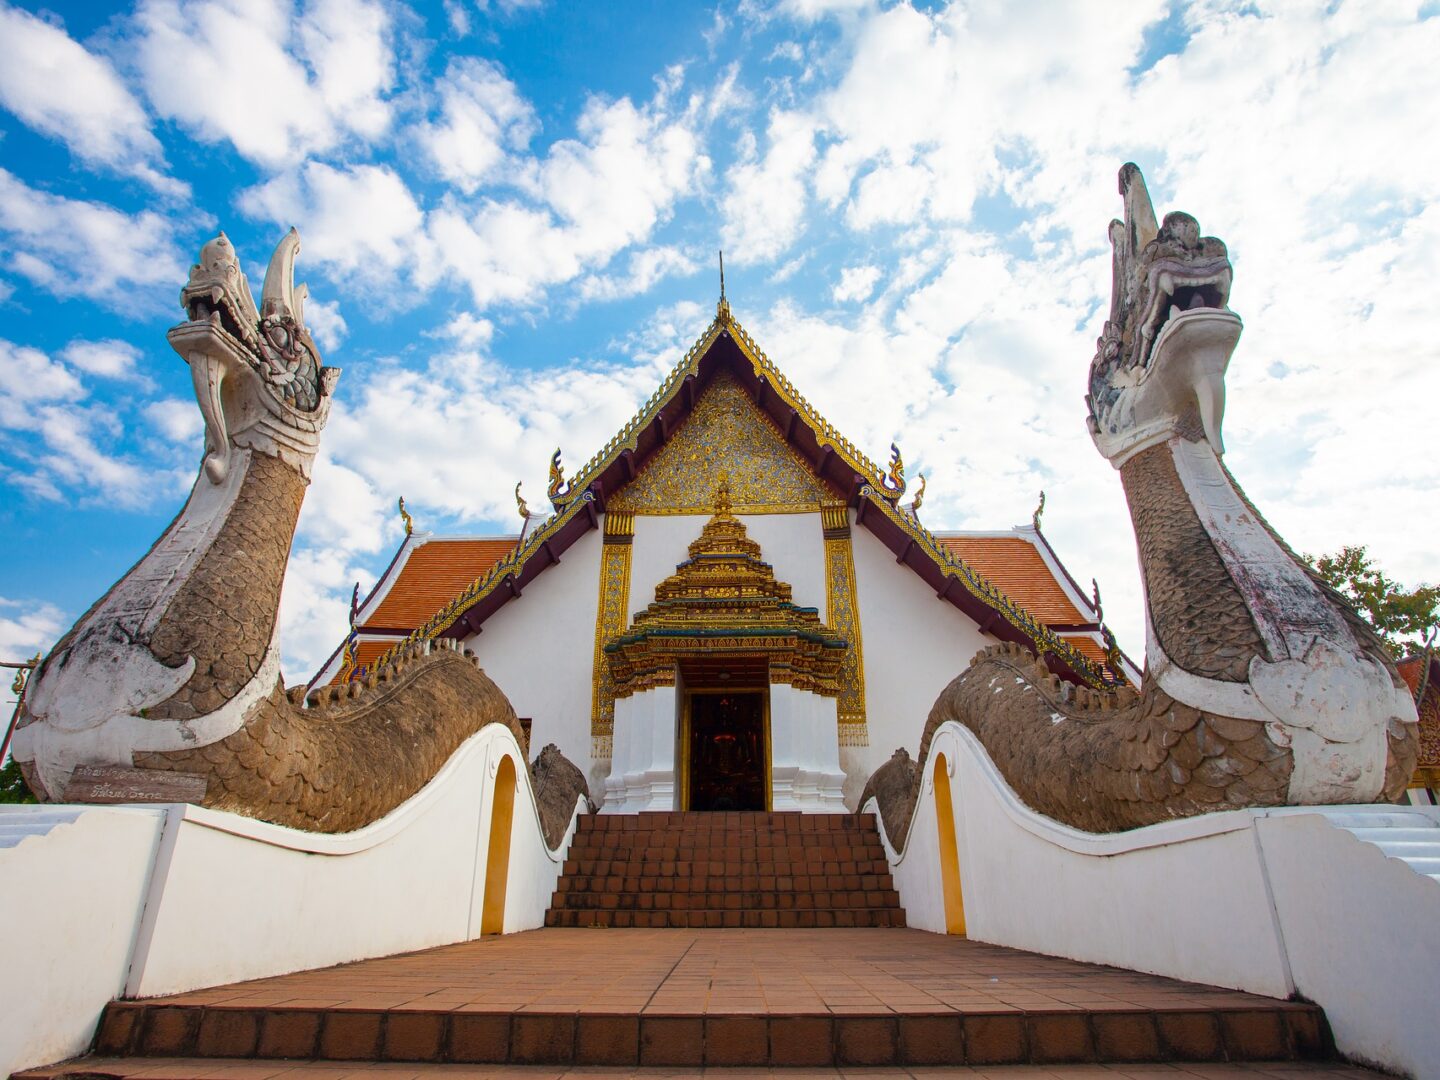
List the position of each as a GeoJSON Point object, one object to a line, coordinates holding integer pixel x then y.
{"type": "Point", "coordinates": [777, 564]}
{"type": "Point", "coordinates": [726, 758]}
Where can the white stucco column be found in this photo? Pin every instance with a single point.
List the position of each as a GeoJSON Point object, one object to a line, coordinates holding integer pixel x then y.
{"type": "Point", "coordinates": [642, 762]}
{"type": "Point", "coordinates": [805, 769]}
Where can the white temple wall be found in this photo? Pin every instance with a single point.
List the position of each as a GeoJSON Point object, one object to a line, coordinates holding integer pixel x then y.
{"type": "Point", "coordinates": [71, 896]}
{"type": "Point", "coordinates": [1272, 901]}
{"type": "Point", "coordinates": [164, 899]}
{"type": "Point", "coordinates": [794, 544]}
{"type": "Point", "coordinates": [914, 643]}
{"type": "Point", "coordinates": [539, 649]}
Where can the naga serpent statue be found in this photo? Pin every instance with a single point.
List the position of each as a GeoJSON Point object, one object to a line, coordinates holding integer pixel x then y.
{"type": "Point", "coordinates": [1262, 687]}
{"type": "Point", "coordinates": [177, 667]}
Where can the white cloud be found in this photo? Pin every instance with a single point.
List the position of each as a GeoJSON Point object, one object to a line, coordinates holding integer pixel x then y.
{"type": "Point", "coordinates": [765, 205]}
{"type": "Point", "coordinates": [325, 323]}
{"type": "Point", "coordinates": [597, 196]}
{"type": "Point", "coordinates": [856, 284]}
{"type": "Point", "coordinates": [179, 420]}
{"type": "Point", "coordinates": [27, 627]}
{"type": "Point", "coordinates": [76, 248]}
{"type": "Point", "coordinates": [109, 358]}
{"type": "Point", "coordinates": [361, 220]}
{"type": "Point", "coordinates": [53, 438]}
{"type": "Point", "coordinates": [466, 331]}
{"type": "Point", "coordinates": [483, 118]}
{"type": "Point", "coordinates": [647, 267]}
{"type": "Point", "coordinates": [277, 84]}
{"type": "Point", "coordinates": [61, 89]}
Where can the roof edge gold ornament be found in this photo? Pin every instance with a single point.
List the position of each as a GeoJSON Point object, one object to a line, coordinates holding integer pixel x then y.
{"type": "Point", "coordinates": [1039, 513]}
{"type": "Point", "coordinates": [405, 517]}
{"type": "Point", "coordinates": [559, 491]}
{"type": "Point", "coordinates": [722, 306]}
{"type": "Point", "coordinates": [894, 482]}
{"type": "Point", "coordinates": [520, 503]}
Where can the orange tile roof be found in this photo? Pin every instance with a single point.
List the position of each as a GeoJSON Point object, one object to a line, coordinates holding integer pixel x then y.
{"type": "Point", "coordinates": [434, 574]}
{"type": "Point", "coordinates": [1014, 565]}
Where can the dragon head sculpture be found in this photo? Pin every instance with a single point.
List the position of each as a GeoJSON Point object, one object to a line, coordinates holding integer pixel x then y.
{"type": "Point", "coordinates": [1159, 366]}
{"type": "Point", "coordinates": [257, 372]}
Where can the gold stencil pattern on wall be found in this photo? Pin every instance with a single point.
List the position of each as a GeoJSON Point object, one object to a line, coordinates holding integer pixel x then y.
{"type": "Point", "coordinates": [725, 433]}
{"type": "Point", "coordinates": [842, 615]}
{"type": "Point", "coordinates": [611, 619]}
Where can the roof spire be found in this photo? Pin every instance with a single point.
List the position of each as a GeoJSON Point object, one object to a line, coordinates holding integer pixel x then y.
{"type": "Point", "coordinates": [722, 309]}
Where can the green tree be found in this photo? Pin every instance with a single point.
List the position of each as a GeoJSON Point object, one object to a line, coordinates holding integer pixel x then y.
{"type": "Point", "coordinates": [12, 785]}
{"type": "Point", "coordinates": [1406, 619]}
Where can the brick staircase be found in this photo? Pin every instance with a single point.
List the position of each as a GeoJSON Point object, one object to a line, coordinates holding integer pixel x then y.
{"type": "Point", "coordinates": [734, 869]}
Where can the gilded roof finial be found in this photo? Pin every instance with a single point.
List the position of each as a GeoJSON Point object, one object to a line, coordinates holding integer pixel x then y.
{"type": "Point", "coordinates": [558, 491]}
{"type": "Point", "coordinates": [1039, 511]}
{"type": "Point", "coordinates": [520, 503]}
{"type": "Point", "coordinates": [722, 309]}
{"type": "Point", "coordinates": [405, 516]}
{"type": "Point", "coordinates": [895, 479]}
{"type": "Point", "coordinates": [919, 494]}
{"type": "Point", "coordinates": [1095, 601]}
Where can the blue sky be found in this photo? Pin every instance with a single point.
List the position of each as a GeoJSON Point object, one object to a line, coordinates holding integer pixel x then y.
{"type": "Point", "coordinates": [510, 213]}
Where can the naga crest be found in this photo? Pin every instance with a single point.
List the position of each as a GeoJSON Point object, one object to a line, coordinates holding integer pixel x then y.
{"type": "Point", "coordinates": [1160, 363]}
{"type": "Point", "coordinates": [257, 372]}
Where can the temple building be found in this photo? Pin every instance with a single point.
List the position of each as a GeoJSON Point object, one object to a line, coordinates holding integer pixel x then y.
{"type": "Point", "coordinates": [730, 606]}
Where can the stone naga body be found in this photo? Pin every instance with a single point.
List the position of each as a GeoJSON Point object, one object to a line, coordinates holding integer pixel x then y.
{"type": "Point", "coordinates": [1262, 687]}
{"type": "Point", "coordinates": [177, 667]}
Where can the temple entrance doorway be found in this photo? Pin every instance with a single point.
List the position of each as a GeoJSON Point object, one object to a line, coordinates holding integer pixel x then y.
{"type": "Point", "coordinates": [725, 750]}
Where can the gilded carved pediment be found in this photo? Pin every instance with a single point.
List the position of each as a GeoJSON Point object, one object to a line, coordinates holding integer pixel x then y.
{"type": "Point", "coordinates": [725, 433]}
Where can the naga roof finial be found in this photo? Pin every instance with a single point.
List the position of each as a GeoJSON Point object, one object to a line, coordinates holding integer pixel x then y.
{"type": "Point", "coordinates": [405, 517]}
{"type": "Point", "coordinates": [520, 503]}
{"type": "Point", "coordinates": [919, 496]}
{"type": "Point", "coordinates": [1039, 512]}
{"type": "Point", "coordinates": [559, 490]}
{"type": "Point", "coordinates": [895, 478]}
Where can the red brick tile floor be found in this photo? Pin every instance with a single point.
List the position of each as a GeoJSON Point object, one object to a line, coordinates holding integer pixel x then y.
{"type": "Point", "coordinates": [236, 1069]}
{"type": "Point", "coordinates": [692, 972]}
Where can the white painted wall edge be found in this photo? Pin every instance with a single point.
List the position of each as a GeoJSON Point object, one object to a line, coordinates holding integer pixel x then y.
{"type": "Point", "coordinates": [1105, 844]}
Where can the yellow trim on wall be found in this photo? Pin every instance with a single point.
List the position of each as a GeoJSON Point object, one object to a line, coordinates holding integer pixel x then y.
{"type": "Point", "coordinates": [497, 855]}
{"type": "Point", "coordinates": [949, 851]}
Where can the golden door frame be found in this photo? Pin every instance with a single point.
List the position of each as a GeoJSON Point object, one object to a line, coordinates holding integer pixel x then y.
{"type": "Point", "coordinates": [683, 736]}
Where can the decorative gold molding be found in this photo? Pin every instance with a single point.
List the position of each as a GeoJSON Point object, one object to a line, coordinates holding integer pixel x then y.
{"type": "Point", "coordinates": [842, 614]}
{"type": "Point", "coordinates": [724, 433]}
{"type": "Point", "coordinates": [610, 619]}
{"type": "Point", "coordinates": [724, 599]}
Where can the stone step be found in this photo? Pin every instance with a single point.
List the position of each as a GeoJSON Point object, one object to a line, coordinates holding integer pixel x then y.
{"type": "Point", "coordinates": [259, 1069]}
{"type": "Point", "coordinates": [1284, 1032]}
{"type": "Point", "coordinates": [700, 901]}
{"type": "Point", "coordinates": [746, 880]}
{"type": "Point", "coordinates": [726, 870]}
{"type": "Point", "coordinates": [726, 919]}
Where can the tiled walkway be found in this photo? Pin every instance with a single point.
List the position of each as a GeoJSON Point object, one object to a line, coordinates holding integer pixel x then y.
{"type": "Point", "coordinates": [690, 972]}
{"type": "Point", "coordinates": [687, 998]}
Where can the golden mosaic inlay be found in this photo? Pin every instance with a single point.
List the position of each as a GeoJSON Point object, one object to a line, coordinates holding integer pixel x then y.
{"type": "Point", "coordinates": [610, 617]}
{"type": "Point", "coordinates": [841, 613]}
{"type": "Point", "coordinates": [725, 599]}
{"type": "Point", "coordinates": [726, 433]}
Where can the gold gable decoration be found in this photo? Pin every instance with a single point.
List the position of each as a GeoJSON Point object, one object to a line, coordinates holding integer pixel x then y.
{"type": "Point", "coordinates": [726, 433]}
{"type": "Point", "coordinates": [725, 600]}
{"type": "Point", "coordinates": [956, 571]}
